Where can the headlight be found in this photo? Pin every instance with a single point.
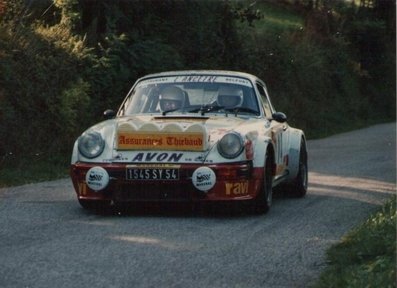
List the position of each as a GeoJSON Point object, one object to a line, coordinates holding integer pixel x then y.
{"type": "Point", "coordinates": [91, 144]}
{"type": "Point", "coordinates": [231, 145]}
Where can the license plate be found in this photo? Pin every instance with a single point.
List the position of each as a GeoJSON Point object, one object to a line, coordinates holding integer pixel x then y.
{"type": "Point", "coordinates": [152, 174]}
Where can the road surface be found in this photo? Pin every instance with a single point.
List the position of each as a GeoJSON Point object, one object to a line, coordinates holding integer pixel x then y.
{"type": "Point", "coordinates": [47, 240]}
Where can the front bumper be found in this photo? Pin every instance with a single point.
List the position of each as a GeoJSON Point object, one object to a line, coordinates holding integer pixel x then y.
{"type": "Point", "coordinates": [234, 181]}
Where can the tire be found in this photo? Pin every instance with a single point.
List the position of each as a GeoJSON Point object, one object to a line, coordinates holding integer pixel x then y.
{"type": "Point", "coordinates": [298, 187]}
{"type": "Point", "coordinates": [264, 199]}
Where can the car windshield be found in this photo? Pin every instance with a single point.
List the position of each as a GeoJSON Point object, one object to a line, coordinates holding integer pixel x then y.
{"type": "Point", "coordinates": [192, 94]}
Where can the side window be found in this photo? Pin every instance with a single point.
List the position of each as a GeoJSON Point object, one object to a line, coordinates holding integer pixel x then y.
{"type": "Point", "coordinates": [265, 101]}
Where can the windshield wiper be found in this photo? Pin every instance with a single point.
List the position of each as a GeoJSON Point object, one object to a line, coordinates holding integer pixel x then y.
{"type": "Point", "coordinates": [241, 109]}
{"type": "Point", "coordinates": [206, 109]}
{"type": "Point", "coordinates": [169, 111]}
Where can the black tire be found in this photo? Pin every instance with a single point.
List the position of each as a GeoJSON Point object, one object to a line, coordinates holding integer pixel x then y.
{"type": "Point", "coordinates": [298, 187]}
{"type": "Point", "coordinates": [264, 199]}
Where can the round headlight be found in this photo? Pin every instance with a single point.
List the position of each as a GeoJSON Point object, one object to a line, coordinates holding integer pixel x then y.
{"type": "Point", "coordinates": [231, 145]}
{"type": "Point", "coordinates": [91, 144]}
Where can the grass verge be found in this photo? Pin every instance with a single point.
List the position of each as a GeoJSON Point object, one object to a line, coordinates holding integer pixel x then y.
{"type": "Point", "coordinates": [41, 168]}
{"type": "Point", "coordinates": [366, 257]}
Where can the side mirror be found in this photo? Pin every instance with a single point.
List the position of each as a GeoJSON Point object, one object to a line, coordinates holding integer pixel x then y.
{"type": "Point", "coordinates": [109, 114]}
{"type": "Point", "coordinates": [279, 117]}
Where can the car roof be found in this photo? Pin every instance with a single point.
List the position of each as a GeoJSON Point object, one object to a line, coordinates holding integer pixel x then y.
{"type": "Point", "coordinates": [202, 72]}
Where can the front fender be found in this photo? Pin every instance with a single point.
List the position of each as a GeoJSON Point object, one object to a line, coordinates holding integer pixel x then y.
{"type": "Point", "coordinates": [75, 153]}
{"type": "Point", "coordinates": [108, 131]}
{"type": "Point", "coordinates": [261, 146]}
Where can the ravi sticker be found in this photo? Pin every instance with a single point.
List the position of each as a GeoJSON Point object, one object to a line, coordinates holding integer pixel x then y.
{"type": "Point", "coordinates": [97, 178]}
{"type": "Point", "coordinates": [204, 178]}
{"type": "Point", "coordinates": [237, 188]}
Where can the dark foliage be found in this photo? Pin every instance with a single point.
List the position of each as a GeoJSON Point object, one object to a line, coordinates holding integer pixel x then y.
{"type": "Point", "coordinates": [64, 62]}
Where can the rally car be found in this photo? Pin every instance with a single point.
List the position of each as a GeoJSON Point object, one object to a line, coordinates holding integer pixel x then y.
{"type": "Point", "coordinates": [191, 137]}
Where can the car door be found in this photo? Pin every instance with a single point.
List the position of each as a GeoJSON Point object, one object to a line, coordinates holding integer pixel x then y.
{"type": "Point", "coordinates": [279, 133]}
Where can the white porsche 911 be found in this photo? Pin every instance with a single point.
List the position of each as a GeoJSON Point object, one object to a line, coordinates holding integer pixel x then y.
{"type": "Point", "coordinates": [191, 136]}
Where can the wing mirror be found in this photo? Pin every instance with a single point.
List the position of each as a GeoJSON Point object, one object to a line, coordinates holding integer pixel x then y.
{"type": "Point", "coordinates": [109, 114]}
{"type": "Point", "coordinates": [279, 117]}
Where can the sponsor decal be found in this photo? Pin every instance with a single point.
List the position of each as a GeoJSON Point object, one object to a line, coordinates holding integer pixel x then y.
{"type": "Point", "coordinates": [82, 189]}
{"type": "Point", "coordinates": [203, 178]}
{"type": "Point", "coordinates": [237, 188]}
{"type": "Point", "coordinates": [237, 81]}
{"type": "Point", "coordinates": [156, 165]}
{"type": "Point", "coordinates": [157, 157]}
{"type": "Point", "coordinates": [134, 139]}
{"type": "Point", "coordinates": [196, 79]}
{"type": "Point", "coordinates": [249, 150]}
{"type": "Point", "coordinates": [97, 178]}
{"type": "Point", "coordinates": [160, 141]}
{"type": "Point", "coordinates": [280, 169]}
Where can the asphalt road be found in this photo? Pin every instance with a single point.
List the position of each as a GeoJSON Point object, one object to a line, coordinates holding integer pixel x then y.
{"type": "Point", "coordinates": [47, 240]}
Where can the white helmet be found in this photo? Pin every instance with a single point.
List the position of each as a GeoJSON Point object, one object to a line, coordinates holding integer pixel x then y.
{"type": "Point", "coordinates": [171, 98]}
{"type": "Point", "coordinates": [230, 96]}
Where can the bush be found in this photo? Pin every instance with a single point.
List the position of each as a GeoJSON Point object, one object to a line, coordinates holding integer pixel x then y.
{"type": "Point", "coordinates": [65, 62]}
{"type": "Point", "coordinates": [315, 84]}
{"type": "Point", "coordinates": [375, 54]}
{"type": "Point", "coordinates": [44, 96]}
{"type": "Point", "coordinates": [366, 257]}
{"type": "Point", "coordinates": [54, 85]}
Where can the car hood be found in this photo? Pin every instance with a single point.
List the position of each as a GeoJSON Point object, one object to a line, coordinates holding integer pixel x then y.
{"type": "Point", "coordinates": [153, 139]}
{"type": "Point", "coordinates": [176, 132]}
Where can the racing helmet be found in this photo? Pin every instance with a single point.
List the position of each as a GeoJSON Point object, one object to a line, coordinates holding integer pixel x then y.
{"type": "Point", "coordinates": [171, 98]}
{"type": "Point", "coordinates": [230, 96]}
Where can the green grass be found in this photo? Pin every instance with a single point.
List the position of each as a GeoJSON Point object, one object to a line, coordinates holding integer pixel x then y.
{"type": "Point", "coordinates": [15, 171]}
{"type": "Point", "coordinates": [366, 257]}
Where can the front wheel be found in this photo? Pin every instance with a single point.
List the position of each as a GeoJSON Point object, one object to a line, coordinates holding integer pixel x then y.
{"type": "Point", "coordinates": [264, 199]}
{"type": "Point", "coordinates": [298, 187]}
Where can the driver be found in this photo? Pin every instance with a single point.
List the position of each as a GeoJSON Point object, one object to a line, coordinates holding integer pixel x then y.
{"type": "Point", "coordinates": [171, 98]}
{"type": "Point", "coordinates": [230, 97]}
